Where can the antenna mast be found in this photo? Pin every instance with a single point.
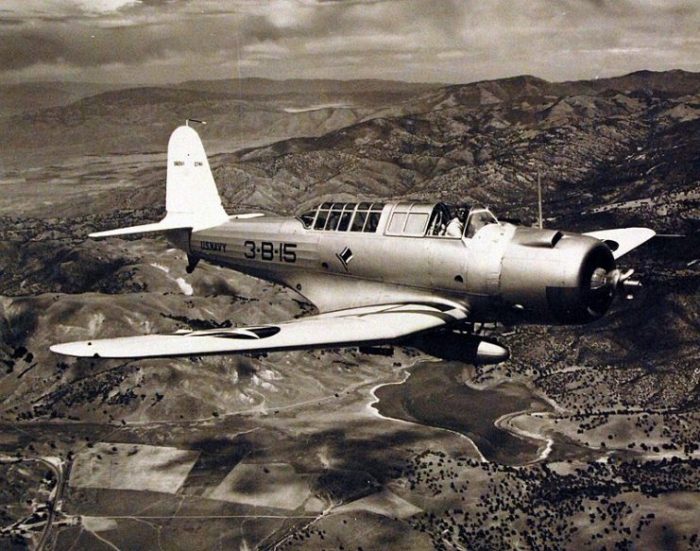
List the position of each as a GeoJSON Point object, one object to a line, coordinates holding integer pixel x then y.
{"type": "Point", "coordinates": [539, 198]}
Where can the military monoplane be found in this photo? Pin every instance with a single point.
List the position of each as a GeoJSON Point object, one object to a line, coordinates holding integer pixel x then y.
{"type": "Point", "coordinates": [379, 272]}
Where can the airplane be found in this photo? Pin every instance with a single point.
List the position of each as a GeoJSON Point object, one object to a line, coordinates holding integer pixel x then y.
{"type": "Point", "coordinates": [378, 272]}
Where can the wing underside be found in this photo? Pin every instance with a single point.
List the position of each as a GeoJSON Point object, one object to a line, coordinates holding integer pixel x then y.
{"type": "Point", "coordinates": [356, 326]}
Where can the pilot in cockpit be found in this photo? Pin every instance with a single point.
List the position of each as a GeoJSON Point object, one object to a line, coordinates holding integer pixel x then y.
{"type": "Point", "coordinates": [448, 220]}
{"type": "Point", "coordinates": [455, 227]}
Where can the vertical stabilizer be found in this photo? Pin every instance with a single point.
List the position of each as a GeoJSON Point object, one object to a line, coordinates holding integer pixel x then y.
{"type": "Point", "coordinates": [191, 192]}
{"type": "Point", "coordinates": [192, 201]}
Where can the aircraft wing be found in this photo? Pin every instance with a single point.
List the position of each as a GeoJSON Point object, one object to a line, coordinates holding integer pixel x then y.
{"type": "Point", "coordinates": [623, 240]}
{"type": "Point", "coordinates": [355, 326]}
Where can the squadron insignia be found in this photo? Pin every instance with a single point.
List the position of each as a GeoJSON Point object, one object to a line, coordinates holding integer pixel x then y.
{"type": "Point", "coordinates": [345, 256]}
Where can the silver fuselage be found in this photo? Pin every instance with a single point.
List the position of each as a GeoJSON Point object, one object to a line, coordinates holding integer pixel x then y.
{"type": "Point", "coordinates": [504, 272]}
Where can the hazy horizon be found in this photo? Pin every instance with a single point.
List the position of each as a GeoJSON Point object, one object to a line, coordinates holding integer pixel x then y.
{"type": "Point", "coordinates": [283, 79]}
{"type": "Point", "coordinates": [152, 42]}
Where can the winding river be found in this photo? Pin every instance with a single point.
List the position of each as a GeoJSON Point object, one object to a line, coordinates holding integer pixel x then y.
{"type": "Point", "coordinates": [435, 394]}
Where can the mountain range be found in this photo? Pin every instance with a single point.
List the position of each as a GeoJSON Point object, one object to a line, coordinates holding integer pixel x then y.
{"type": "Point", "coordinates": [47, 121]}
{"type": "Point", "coordinates": [622, 146]}
{"type": "Point", "coordinates": [592, 144]}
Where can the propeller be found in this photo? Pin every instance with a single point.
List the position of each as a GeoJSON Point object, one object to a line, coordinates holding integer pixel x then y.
{"type": "Point", "coordinates": [614, 281]}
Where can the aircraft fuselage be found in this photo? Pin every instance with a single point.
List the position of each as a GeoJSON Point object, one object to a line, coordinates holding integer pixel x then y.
{"type": "Point", "coordinates": [502, 272]}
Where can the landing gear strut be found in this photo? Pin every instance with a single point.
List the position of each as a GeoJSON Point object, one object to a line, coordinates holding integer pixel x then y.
{"type": "Point", "coordinates": [192, 262]}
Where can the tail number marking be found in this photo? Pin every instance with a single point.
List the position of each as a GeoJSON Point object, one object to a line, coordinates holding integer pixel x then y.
{"type": "Point", "coordinates": [269, 251]}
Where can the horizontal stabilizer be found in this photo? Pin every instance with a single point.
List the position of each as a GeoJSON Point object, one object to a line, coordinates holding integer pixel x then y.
{"type": "Point", "coordinates": [623, 240]}
{"type": "Point", "coordinates": [366, 326]}
{"type": "Point", "coordinates": [168, 223]}
{"type": "Point", "coordinates": [163, 225]}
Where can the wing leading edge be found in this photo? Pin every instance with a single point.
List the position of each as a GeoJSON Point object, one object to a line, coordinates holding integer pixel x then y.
{"type": "Point", "coordinates": [368, 325]}
{"type": "Point", "coordinates": [623, 240]}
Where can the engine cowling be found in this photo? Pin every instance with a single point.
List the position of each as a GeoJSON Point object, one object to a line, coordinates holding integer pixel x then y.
{"type": "Point", "coordinates": [555, 277]}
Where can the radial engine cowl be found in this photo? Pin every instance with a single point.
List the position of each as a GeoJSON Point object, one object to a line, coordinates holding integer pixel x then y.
{"type": "Point", "coordinates": [571, 281]}
{"type": "Point", "coordinates": [593, 292]}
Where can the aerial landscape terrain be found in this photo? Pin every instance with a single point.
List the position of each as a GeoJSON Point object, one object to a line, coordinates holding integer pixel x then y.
{"type": "Point", "coordinates": [588, 437]}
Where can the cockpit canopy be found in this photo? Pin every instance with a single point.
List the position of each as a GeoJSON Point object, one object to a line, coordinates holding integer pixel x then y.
{"type": "Point", "coordinates": [356, 217]}
{"type": "Point", "coordinates": [478, 218]}
{"type": "Point", "coordinates": [400, 219]}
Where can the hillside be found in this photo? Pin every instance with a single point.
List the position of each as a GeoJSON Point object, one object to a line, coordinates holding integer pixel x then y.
{"type": "Point", "coordinates": [32, 96]}
{"type": "Point", "coordinates": [239, 113]}
{"type": "Point", "coordinates": [587, 437]}
{"type": "Point", "coordinates": [592, 143]}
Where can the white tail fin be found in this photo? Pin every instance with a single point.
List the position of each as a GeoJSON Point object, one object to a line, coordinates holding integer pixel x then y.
{"type": "Point", "coordinates": [191, 192]}
{"type": "Point", "coordinates": [191, 199]}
